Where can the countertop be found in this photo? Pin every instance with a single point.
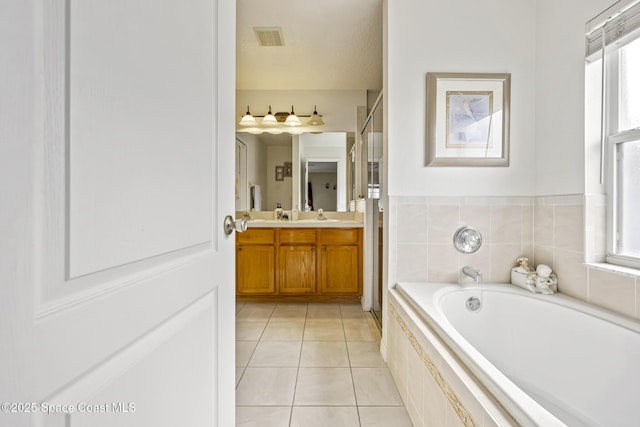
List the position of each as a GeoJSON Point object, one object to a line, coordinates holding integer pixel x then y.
{"type": "Point", "coordinates": [304, 223]}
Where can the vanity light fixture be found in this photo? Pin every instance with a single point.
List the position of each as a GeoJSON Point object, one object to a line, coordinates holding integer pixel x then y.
{"type": "Point", "coordinates": [280, 122]}
{"type": "Point", "coordinates": [269, 119]}
{"type": "Point", "coordinates": [292, 119]}
{"type": "Point", "coordinates": [248, 119]}
{"type": "Point", "coordinates": [316, 119]}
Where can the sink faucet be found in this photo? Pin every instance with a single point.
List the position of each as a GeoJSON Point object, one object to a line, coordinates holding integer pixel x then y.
{"type": "Point", "coordinates": [246, 216]}
{"type": "Point", "coordinates": [474, 273]}
{"type": "Point", "coordinates": [321, 215]}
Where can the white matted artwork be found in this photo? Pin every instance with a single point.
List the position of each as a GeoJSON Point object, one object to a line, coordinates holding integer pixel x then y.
{"type": "Point", "coordinates": [468, 119]}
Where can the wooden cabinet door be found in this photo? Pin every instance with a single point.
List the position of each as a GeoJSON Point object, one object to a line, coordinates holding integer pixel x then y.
{"type": "Point", "coordinates": [297, 269]}
{"type": "Point", "coordinates": [339, 269]}
{"type": "Point", "coordinates": [255, 269]}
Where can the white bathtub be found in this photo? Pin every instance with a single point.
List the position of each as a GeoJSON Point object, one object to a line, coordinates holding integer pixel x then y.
{"type": "Point", "coordinates": [549, 360]}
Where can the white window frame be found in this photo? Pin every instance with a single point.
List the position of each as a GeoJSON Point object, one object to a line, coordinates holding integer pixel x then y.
{"type": "Point", "coordinates": [614, 141]}
{"type": "Point", "coordinates": [613, 257]}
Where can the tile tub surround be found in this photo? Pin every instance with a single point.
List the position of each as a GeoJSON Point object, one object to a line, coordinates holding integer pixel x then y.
{"type": "Point", "coordinates": [561, 231]}
{"type": "Point", "coordinates": [569, 230]}
{"type": "Point", "coordinates": [421, 231]}
{"type": "Point", "coordinates": [312, 365]}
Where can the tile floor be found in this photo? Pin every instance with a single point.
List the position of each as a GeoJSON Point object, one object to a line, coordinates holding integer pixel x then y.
{"type": "Point", "coordinates": [308, 365]}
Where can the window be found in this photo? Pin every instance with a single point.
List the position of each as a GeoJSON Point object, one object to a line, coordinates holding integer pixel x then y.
{"type": "Point", "coordinates": [618, 37]}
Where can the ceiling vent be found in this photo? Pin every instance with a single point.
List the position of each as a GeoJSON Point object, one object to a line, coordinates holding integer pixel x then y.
{"type": "Point", "coordinates": [269, 36]}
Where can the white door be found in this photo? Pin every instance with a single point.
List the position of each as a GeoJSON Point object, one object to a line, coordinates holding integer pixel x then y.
{"type": "Point", "coordinates": [116, 167]}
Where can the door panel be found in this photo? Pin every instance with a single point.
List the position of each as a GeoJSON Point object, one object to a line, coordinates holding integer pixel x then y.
{"type": "Point", "coordinates": [131, 111]}
{"type": "Point", "coordinates": [118, 284]}
{"type": "Point", "coordinates": [124, 387]}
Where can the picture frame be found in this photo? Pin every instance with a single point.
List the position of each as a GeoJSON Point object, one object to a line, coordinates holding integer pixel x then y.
{"type": "Point", "coordinates": [468, 119]}
{"type": "Point", "coordinates": [279, 173]}
{"type": "Point", "coordinates": [288, 169]}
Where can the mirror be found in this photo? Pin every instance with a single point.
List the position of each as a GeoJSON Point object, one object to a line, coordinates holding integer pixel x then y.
{"type": "Point", "coordinates": [305, 172]}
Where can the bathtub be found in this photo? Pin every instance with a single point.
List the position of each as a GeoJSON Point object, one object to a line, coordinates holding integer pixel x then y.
{"type": "Point", "coordinates": [549, 360]}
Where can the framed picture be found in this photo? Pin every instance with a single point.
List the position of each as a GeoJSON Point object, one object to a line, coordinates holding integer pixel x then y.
{"type": "Point", "coordinates": [279, 173]}
{"type": "Point", "coordinates": [288, 169]}
{"type": "Point", "coordinates": [468, 119]}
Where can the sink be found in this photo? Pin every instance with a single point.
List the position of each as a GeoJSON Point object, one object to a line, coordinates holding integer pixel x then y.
{"type": "Point", "coordinates": [318, 220]}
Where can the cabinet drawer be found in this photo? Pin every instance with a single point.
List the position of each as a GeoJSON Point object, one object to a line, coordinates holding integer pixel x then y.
{"type": "Point", "coordinates": [329, 236]}
{"type": "Point", "coordinates": [256, 236]}
{"type": "Point", "coordinates": [297, 236]}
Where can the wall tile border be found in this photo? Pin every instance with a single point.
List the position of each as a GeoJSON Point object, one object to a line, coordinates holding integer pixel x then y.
{"type": "Point", "coordinates": [462, 413]}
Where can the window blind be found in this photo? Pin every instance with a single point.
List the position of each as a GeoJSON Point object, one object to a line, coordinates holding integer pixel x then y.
{"type": "Point", "coordinates": [617, 22]}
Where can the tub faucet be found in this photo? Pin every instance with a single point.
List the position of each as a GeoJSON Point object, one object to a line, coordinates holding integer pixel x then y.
{"type": "Point", "coordinates": [474, 273]}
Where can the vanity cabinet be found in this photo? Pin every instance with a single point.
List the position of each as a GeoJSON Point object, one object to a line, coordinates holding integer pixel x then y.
{"type": "Point", "coordinates": [340, 263]}
{"type": "Point", "coordinates": [299, 264]}
{"type": "Point", "coordinates": [256, 262]}
{"type": "Point", "coordinates": [297, 261]}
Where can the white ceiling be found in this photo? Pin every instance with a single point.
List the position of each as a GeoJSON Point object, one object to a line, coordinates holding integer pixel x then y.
{"type": "Point", "coordinates": [329, 45]}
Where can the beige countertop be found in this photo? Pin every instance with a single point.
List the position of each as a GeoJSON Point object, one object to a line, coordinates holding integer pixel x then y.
{"type": "Point", "coordinates": [265, 219]}
{"type": "Point", "coordinates": [304, 223]}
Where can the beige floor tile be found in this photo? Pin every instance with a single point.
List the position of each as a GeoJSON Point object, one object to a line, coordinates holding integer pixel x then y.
{"type": "Point", "coordinates": [330, 313]}
{"type": "Point", "coordinates": [323, 332]}
{"type": "Point", "coordinates": [347, 306]}
{"type": "Point", "coordinates": [292, 305]}
{"type": "Point", "coordinates": [281, 331]}
{"type": "Point", "coordinates": [325, 416]}
{"type": "Point", "coordinates": [239, 306]}
{"type": "Point", "coordinates": [266, 386]}
{"type": "Point", "coordinates": [244, 350]}
{"type": "Point", "coordinates": [249, 331]}
{"type": "Point", "coordinates": [324, 386]}
{"type": "Point", "coordinates": [255, 313]}
{"type": "Point", "coordinates": [288, 315]}
{"type": "Point", "coordinates": [384, 416]}
{"type": "Point", "coordinates": [375, 386]}
{"type": "Point", "coordinates": [355, 315]}
{"type": "Point", "coordinates": [263, 416]}
{"type": "Point", "coordinates": [276, 353]}
{"type": "Point", "coordinates": [357, 330]}
{"type": "Point", "coordinates": [365, 355]}
{"type": "Point", "coordinates": [323, 305]}
{"type": "Point", "coordinates": [352, 311]}
{"type": "Point", "coordinates": [261, 305]}
{"type": "Point", "coordinates": [320, 354]}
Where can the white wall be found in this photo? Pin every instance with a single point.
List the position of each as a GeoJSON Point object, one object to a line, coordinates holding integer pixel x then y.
{"type": "Point", "coordinates": [559, 83]}
{"type": "Point", "coordinates": [324, 198]}
{"type": "Point", "coordinates": [464, 36]}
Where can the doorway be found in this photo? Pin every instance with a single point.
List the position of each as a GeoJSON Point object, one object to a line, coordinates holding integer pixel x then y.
{"type": "Point", "coordinates": [321, 189]}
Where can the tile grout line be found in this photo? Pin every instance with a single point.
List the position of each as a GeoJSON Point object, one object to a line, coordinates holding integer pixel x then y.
{"type": "Point", "coordinates": [295, 386]}
{"type": "Point", "coordinates": [353, 384]}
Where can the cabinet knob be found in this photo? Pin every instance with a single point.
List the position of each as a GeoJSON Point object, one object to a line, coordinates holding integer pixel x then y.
{"type": "Point", "coordinates": [239, 249]}
{"type": "Point", "coordinates": [313, 248]}
{"type": "Point", "coordinates": [324, 249]}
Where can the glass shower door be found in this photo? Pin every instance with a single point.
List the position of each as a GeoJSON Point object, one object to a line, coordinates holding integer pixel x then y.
{"type": "Point", "coordinates": [372, 135]}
